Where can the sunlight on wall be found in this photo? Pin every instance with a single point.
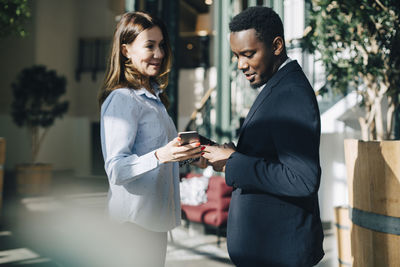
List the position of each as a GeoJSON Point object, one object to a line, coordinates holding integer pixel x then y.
{"type": "Point", "coordinates": [340, 194]}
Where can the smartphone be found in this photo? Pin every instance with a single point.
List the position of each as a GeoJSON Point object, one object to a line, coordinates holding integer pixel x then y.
{"type": "Point", "coordinates": [189, 137]}
{"type": "Point", "coordinates": [205, 141]}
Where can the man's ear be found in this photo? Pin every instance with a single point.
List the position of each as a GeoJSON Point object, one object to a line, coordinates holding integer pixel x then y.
{"type": "Point", "coordinates": [124, 50]}
{"type": "Point", "coordinates": [278, 45]}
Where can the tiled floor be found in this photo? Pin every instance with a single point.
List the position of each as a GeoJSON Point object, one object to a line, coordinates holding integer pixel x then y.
{"type": "Point", "coordinates": [193, 247]}
{"type": "Point", "coordinates": [65, 229]}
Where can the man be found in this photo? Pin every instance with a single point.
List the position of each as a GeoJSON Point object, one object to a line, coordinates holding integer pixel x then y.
{"type": "Point", "coordinates": [274, 215]}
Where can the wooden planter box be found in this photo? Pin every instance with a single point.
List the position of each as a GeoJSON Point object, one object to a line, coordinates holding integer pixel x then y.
{"type": "Point", "coordinates": [373, 173]}
{"type": "Point", "coordinates": [33, 179]}
{"type": "Point", "coordinates": [343, 237]}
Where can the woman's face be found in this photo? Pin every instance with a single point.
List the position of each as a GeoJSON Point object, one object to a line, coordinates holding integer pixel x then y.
{"type": "Point", "coordinates": [146, 52]}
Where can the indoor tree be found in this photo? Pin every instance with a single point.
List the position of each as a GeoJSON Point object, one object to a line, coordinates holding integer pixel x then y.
{"type": "Point", "coordinates": [359, 41]}
{"type": "Point", "coordinates": [36, 102]}
{"type": "Point", "coordinates": [13, 16]}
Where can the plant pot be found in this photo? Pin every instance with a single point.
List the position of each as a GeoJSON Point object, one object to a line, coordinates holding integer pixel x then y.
{"type": "Point", "coordinates": [33, 179]}
{"type": "Point", "coordinates": [343, 228]}
{"type": "Point", "coordinates": [373, 173]}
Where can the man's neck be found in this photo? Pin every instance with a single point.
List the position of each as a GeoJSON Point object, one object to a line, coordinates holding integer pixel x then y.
{"type": "Point", "coordinates": [275, 67]}
{"type": "Point", "coordinates": [280, 60]}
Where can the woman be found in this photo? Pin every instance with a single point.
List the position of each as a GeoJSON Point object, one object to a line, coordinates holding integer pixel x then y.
{"type": "Point", "coordinates": [139, 142]}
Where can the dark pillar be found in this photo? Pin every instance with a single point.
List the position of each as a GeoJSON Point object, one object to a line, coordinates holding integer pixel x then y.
{"type": "Point", "coordinates": [168, 11]}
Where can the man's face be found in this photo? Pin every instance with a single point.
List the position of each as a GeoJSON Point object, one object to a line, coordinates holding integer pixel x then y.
{"type": "Point", "coordinates": [254, 58]}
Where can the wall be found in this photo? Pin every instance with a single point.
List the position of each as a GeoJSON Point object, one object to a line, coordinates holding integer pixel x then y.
{"type": "Point", "coordinates": [95, 20]}
{"type": "Point", "coordinates": [193, 84]}
{"type": "Point", "coordinates": [16, 53]}
{"type": "Point", "coordinates": [55, 40]}
{"type": "Point", "coordinates": [293, 19]}
{"type": "Point", "coordinates": [337, 123]}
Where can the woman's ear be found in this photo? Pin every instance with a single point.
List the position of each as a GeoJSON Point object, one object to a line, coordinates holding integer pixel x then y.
{"type": "Point", "coordinates": [124, 50]}
{"type": "Point", "coordinates": [278, 45]}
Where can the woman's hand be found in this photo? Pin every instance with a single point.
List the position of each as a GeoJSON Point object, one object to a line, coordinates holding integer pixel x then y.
{"type": "Point", "coordinates": [173, 151]}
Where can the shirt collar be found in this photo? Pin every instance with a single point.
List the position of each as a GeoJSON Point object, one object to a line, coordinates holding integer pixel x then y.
{"type": "Point", "coordinates": [284, 63]}
{"type": "Point", "coordinates": [259, 89]}
{"type": "Point", "coordinates": [144, 91]}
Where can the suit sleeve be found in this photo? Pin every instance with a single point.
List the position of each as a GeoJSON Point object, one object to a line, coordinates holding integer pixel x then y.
{"type": "Point", "coordinates": [295, 130]}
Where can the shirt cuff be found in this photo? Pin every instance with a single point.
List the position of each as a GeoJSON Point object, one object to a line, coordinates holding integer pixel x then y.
{"type": "Point", "coordinates": [155, 157]}
{"type": "Point", "coordinates": [150, 160]}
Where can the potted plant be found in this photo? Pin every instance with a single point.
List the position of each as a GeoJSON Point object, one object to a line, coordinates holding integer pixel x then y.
{"type": "Point", "coordinates": [358, 41]}
{"type": "Point", "coordinates": [36, 104]}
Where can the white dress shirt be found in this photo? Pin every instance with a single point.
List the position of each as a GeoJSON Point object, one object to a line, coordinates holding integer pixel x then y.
{"type": "Point", "coordinates": [280, 67]}
{"type": "Point", "coordinates": [134, 123]}
{"type": "Point", "coordinates": [285, 63]}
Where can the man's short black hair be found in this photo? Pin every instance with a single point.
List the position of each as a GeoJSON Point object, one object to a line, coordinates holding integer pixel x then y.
{"type": "Point", "coordinates": [264, 20]}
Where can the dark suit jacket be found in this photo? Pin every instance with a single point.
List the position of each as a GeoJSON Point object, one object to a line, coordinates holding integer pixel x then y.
{"type": "Point", "coordinates": [274, 215]}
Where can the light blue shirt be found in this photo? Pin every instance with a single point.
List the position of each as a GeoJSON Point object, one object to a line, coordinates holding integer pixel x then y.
{"type": "Point", "coordinates": [134, 124]}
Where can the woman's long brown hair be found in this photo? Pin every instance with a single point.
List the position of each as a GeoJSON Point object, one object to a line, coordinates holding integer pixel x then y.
{"type": "Point", "coordinates": [120, 71]}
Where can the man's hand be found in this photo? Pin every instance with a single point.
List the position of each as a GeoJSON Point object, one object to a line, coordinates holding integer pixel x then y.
{"type": "Point", "coordinates": [217, 155]}
{"type": "Point", "coordinates": [201, 163]}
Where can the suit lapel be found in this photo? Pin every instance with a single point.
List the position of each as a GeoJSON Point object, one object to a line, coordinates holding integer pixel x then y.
{"type": "Point", "coordinates": [266, 91]}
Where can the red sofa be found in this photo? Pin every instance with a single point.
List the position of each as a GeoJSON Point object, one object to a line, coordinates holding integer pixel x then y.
{"type": "Point", "coordinates": [214, 212]}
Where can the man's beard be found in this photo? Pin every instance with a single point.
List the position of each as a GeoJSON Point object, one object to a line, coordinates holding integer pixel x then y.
{"type": "Point", "coordinates": [264, 78]}
{"type": "Point", "coordinates": [257, 85]}
{"type": "Point", "coordinates": [262, 81]}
